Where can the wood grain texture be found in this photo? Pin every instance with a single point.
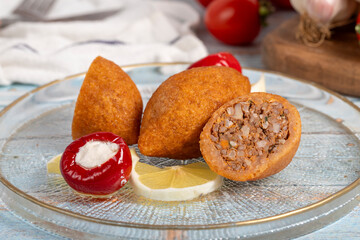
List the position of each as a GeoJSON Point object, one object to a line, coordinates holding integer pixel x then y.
{"type": "Point", "coordinates": [335, 64]}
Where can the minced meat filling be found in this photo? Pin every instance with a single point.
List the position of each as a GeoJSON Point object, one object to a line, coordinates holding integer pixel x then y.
{"type": "Point", "coordinates": [248, 133]}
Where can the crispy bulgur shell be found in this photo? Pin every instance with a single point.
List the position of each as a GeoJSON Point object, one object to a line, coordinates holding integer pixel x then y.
{"type": "Point", "coordinates": [178, 110]}
{"type": "Point", "coordinates": [276, 161]}
{"type": "Point", "coordinates": [109, 101]}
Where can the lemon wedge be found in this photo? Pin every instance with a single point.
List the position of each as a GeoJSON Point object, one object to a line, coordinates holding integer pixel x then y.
{"type": "Point", "coordinates": [176, 183]}
{"type": "Point", "coordinates": [53, 166]}
{"type": "Point", "coordinates": [260, 85]}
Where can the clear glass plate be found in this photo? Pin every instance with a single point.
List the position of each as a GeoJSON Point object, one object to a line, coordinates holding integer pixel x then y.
{"type": "Point", "coordinates": [319, 186]}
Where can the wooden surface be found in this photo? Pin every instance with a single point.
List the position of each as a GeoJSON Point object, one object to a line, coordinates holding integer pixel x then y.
{"type": "Point", "coordinates": [13, 227]}
{"type": "Point", "coordinates": [335, 64]}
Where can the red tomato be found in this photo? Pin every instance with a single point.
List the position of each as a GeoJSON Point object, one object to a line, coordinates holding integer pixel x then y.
{"type": "Point", "coordinates": [218, 59]}
{"type": "Point", "coordinates": [282, 4]}
{"type": "Point", "coordinates": [235, 22]}
{"type": "Point", "coordinates": [100, 180]}
{"type": "Point", "coordinates": [357, 27]}
{"type": "Point", "coordinates": [205, 3]}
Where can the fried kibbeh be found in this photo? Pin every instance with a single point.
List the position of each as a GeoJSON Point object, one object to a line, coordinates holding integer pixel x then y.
{"type": "Point", "coordinates": [178, 110]}
{"type": "Point", "coordinates": [109, 101]}
{"type": "Point", "coordinates": [251, 137]}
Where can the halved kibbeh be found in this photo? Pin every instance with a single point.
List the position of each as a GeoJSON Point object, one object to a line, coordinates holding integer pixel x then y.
{"type": "Point", "coordinates": [251, 137]}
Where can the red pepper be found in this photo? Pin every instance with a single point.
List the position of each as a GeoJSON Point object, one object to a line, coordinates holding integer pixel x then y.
{"type": "Point", "coordinates": [100, 180]}
{"type": "Point", "coordinates": [357, 27]}
{"type": "Point", "coordinates": [218, 59]}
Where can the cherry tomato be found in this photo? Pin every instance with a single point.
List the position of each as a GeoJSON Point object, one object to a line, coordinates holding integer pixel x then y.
{"type": "Point", "coordinates": [218, 59]}
{"type": "Point", "coordinates": [285, 4]}
{"type": "Point", "coordinates": [105, 179]}
{"type": "Point", "coordinates": [205, 3]}
{"type": "Point", "coordinates": [357, 27]}
{"type": "Point", "coordinates": [235, 22]}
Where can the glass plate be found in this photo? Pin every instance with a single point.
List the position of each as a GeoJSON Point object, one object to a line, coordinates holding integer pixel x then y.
{"type": "Point", "coordinates": [319, 186]}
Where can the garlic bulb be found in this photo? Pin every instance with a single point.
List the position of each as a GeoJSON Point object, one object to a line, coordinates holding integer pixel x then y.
{"type": "Point", "coordinates": [326, 11]}
{"type": "Point", "coordinates": [298, 5]}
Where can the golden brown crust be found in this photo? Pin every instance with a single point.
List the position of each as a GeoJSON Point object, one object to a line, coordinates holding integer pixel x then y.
{"type": "Point", "coordinates": [276, 161]}
{"type": "Point", "coordinates": [180, 107]}
{"type": "Point", "coordinates": [108, 101]}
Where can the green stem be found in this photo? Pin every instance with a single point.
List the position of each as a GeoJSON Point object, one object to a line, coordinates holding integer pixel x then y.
{"type": "Point", "coordinates": [265, 9]}
{"type": "Point", "coordinates": [357, 28]}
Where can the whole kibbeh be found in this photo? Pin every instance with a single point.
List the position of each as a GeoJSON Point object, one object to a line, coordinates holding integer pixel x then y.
{"type": "Point", "coordinates": [178, 110]}
{"type": "Point", "coordinates": [109, 101]}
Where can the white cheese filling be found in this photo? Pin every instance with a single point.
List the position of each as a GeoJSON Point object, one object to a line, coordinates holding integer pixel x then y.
{"type": "Point", "coordinates": [95, 153]}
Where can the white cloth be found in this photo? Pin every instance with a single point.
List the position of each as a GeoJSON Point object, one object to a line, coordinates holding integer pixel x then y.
{"type": "Point", "coordinates": [142, 31]}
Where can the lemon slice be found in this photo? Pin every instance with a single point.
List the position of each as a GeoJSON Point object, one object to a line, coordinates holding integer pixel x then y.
{"type": "Point", "coordinates": [176, 183]}
{"type": "Point", "coordinates": [53, 166]}
{"type": "Point", "coordinates": [260, 85]}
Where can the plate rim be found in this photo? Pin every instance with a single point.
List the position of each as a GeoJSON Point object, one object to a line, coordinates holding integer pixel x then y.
{"type": "Point", "coordinates": [295, 212]}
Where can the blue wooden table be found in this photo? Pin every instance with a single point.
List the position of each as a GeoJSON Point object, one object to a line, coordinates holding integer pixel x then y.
{"type": "Point", "coordinates": [12, 227]}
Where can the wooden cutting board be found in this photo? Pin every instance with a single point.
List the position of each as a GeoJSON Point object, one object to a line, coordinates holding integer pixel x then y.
{"type": "Point", "coordinates": [335, 64]}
